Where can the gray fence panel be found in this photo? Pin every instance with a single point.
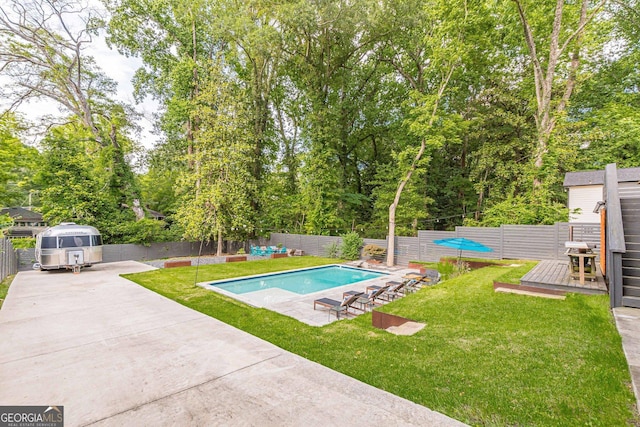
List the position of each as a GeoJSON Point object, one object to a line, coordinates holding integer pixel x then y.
{"type": "Point", "coordinates": [324, 242]}
{"type": "Point", "coordinates": [289, 241]}
{"type": "Point", "coordinates": [431, 252]}
{"type": "Point", "coordinates": [582, 232]}
{"type": "Point", "coordinates": [530, 242]}
{"type": "Point", "coordinates": [407, 249]}
{"type": "Point", "coordinates": [488, 236]}
{"type": "Point", "coordinates": [508, 242]}
{"type": "Point", "coordinates": [26, 258]}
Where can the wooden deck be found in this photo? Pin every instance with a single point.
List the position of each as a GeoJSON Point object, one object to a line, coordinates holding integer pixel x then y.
{"type": "Point", "coordinates": [554, 274]}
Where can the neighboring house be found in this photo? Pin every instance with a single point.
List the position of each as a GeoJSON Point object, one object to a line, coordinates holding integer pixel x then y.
{"type": "Point", "coordinates": [26, 223]}
{"type": "Point", "coordinates": [155, 214]}
{"type": "Point", "coordinates": [586, 190]}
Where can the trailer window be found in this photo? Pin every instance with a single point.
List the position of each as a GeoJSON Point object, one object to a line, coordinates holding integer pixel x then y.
{"type": "Point", "coordinates": [48, 243]}
{"type": "Point", "coordinates": [73, 241]}
{"type": "Point", "coordinates": [96, 240]}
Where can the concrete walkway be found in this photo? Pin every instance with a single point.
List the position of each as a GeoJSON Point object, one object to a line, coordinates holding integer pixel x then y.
{"type": "Point", "coordinates": [114, 353]}
{"type": "Point", "coordinates": [628, 324]}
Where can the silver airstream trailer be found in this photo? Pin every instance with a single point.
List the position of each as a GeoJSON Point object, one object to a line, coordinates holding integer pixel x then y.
{"type": "Point", "coordinates": [69, 246]}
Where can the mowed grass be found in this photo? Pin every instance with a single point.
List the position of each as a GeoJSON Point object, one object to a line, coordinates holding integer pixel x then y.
{"type": "Point", "coordinates": [4, 288]}
{"type": "Point", "coordinates": [484, 358]}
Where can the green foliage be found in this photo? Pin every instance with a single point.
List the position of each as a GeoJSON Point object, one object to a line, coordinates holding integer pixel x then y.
{"type": "Point", "coordinates": [350, 246]}
{"type": "Point", "coordinates": [313, 112]}
{"type": "Point", "coordinates": [216, 197]}
{"type": "Point", "coordinates": [18, 162]}
{"type": "Point", "coordinates": [23, 243]}
{"type": "Point", "coordinates": [332, 250]}
{"type": "Point", "coordinates": [5, 221]}
{"type": "Point", "coordinates": [73, 190]}
{"type": "Point", "coordinates": [447, 270]}
{"type": "Point", "coordinates": [4, 288]}
{"type": "Point", "coordinates": [522, 210]}
{"type": "Point", "coordinates": [143, 232]}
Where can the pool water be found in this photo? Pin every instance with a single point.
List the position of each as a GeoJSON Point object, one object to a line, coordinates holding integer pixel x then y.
{"type": "Point", "coordinates": [300, 281]}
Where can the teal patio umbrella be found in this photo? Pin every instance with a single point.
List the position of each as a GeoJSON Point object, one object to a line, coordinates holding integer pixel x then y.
{"type": "Point", "coordinates": [463, 244]}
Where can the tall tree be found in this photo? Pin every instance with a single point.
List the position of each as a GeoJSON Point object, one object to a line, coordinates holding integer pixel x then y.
{"type": "Point", "coordinates": [17, 163]}
{"type": "Point", "coordinates": [555, 57]}
{"type": "Point", "coordinates": [173, 40]}
{"type": "Point", "coordinates": [425, 53]}
{"type": "Point", "coordinates": [219, 205]}
{"type": "Point", "coordinates": [42, 52]}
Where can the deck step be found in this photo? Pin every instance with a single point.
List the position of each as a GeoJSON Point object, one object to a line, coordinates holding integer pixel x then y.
{"type": "Point", "coordinates": [631, 291]}
{"type": "Point", "coordinates": [630, 271]}
{"type": "Point", "coordinates": [631, 227]}
{"type": "Point", "coordinates": [631, 254]}
{"type": "Point", "coordinates": [630, 281]}
{"type": "Point", "coordinates": [630, 262]}
{"type": "Point", "coordinates": [631, 302]}
{"type": "Point", "coordinates": [628, 202]}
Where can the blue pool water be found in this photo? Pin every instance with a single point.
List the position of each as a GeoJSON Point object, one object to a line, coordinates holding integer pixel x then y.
{"type": "Point", "coordinates": [300, 281]}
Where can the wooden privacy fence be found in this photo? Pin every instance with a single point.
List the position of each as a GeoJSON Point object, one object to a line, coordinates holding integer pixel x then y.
{"type": "Point", "coordinates": [8, 259]}
{"type": "Point", "coordinates": [535, 242]}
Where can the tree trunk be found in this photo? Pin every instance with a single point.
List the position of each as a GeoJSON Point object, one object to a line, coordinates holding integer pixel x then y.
{"type": "Point", "coordinates": [414, 164]}
{"type": "Point", "coordinates": [219, 251]}
{"type": "Point", "coordinates": [392, 209]}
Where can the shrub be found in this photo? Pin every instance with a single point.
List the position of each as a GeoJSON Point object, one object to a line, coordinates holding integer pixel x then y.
{"type": "Point", "coordinates": [23, 243]}
{"type": "Point", "coordinates": [374, 250]}
{"type": "Point", "coordinates": [332, 250]}
{"type": "Point", "coordinates": [351, 244]}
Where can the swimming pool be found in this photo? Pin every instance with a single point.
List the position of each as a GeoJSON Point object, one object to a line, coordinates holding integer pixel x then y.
{"type": "Point", "coordinates": [301, 282]}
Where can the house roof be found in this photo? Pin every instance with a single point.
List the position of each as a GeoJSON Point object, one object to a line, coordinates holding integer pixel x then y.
{"type": "Point", "coordinates": [21, 214]}
{"type": "Point", "coordinates": [156, 214]}
{"type": "Point", "coordinates": [576, 179]}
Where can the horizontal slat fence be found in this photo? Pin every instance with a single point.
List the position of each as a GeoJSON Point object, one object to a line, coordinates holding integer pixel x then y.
{"type": "Point", "coordinates": [131, 252]}
{"type": "Point", "coordinates": [535, 242]}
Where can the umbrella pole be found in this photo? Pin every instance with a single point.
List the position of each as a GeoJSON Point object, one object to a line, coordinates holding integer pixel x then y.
{"type": "Point", "coordinates": [460, 264]}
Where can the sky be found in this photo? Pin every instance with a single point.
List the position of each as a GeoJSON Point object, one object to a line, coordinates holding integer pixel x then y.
{"type": "Point", "coordinates": [119, 68]}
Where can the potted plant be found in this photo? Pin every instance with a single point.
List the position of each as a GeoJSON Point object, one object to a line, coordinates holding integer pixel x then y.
{"type": "Point", "coordinates": [374, 252]}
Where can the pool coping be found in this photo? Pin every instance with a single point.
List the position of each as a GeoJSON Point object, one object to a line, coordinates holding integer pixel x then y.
{"type": "Point", "coordinates": [299, 306]}
{"type": "Point", "coordinates": [252, 298]}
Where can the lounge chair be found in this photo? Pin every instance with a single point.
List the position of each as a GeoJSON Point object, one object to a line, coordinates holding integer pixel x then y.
{"type": "Point", "coordinates": [396, 289]}
{"type": "Point", "coordinates": [369, 299]}
{"type": "Point", "coordinates": [393, 289]}
{"type": "Point", "coordinates": [431, 276]}
{"type": "Point", "coordinates": [336, 306]}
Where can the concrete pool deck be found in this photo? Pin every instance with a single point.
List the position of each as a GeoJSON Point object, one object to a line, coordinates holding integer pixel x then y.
{"type": "Point", "coordinates": [300, 307]}
{"type": "Point", "coordinates": [114, 353]}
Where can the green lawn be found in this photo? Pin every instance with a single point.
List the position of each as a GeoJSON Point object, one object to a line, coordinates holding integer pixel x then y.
{"type": "Point", "coordinates": [484, 358]}
{"type": "Point", "coordinates": [4, 288]}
